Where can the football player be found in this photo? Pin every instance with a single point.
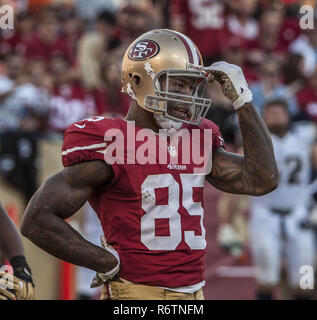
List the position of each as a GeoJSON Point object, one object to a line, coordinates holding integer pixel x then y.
{"type": "Point", "coordinates": [21, 286]}
{"type": "Point", "coordinates": [280, 226]}
{"type": "Point", "coordinates": [151, 208]}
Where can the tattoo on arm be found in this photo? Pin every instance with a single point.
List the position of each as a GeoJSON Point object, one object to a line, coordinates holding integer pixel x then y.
{"type": "Point", "coordinates": [256, 172]}
{"type": "Point", "coordinates": [58, 199]}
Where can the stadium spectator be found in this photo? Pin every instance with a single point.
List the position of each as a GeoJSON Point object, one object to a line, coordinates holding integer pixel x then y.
{"type": "Point", "coordinates": [69, 101]}
{"type": "Point", "coordinates": [306, 45]}
{"type": "Point", "coordinates": [268, 40]}
{"type": "Point", "coordinates": [23, 111]}
{"type": "Point", "coordinates": [15, 40]}
{"type": "Point", "coordinates": [269, 87]}
{"type": "Point", "coordinates": [293, 73]}
{"type": "Point", "coordinates": [135, 18]}
{"type": "Point", "coordinates": [203, 21]}
{"type": "Point", "coordinates": [240, 21]}
{"type": "Point", "coordinates": [93, 45]}
{"type": "Point", "coordinates": [110, 102]}
{"type": "Point", "coordinates": [90, 51]}
{"type": "Point", "coordinates": [72, 30]}
{"type": "Point", "coordinates": [307, 98]}
{"type": "Point", "coordinates": [23, 106]}
{"type": "Point", "coordinates": [106, 26]}
{"type": "Point", "coordinates": [46, 41]}
{"type": "Point", "coordinates": [36, 69]}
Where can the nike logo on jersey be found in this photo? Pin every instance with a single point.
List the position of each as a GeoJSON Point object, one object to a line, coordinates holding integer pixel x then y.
{"type": "Point", "coordinates": [79, 126]}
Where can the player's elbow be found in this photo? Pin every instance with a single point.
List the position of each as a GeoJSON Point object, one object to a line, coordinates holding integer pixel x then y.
{"type": "Point", "coordinates": [25, 227]}
{"type": "Point", "coordinates": [268, 185]}
{"type": "Point", "coordinates": [264, 191]}
{"type": "Point", "coordinates": [28, 225]}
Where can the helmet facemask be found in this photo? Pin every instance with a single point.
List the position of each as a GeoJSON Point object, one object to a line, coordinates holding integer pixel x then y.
{"type": "Point", "coordinates": [165, 100]}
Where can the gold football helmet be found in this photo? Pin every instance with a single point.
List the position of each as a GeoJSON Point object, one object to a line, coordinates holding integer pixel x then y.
{"type": "Point", "coordinates": [162, 54]}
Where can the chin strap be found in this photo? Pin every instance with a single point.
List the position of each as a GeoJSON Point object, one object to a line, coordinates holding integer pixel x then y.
{"type": "Point", "coordinates": [165, 123]}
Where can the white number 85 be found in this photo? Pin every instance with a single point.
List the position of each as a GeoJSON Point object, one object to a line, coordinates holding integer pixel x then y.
{"type": "Point", "coordinates": [170, 211]}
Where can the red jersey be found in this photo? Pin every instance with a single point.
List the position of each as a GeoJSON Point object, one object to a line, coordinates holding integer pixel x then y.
{"type": "Point", "coordinates": [151, 213]}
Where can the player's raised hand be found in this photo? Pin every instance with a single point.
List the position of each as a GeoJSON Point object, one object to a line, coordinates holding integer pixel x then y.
{"type": "Point", "coordinates": [100, 278]}
{"type": "Point", "coordinates": [232, 81]}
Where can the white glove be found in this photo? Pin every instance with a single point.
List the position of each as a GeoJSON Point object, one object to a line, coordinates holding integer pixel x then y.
{"type": "Point", "coordinates": [100, 278]}
{"type": "Point", "coordinates": [229, 239]}
{"type": "Point", "coordinates": [232, 81]}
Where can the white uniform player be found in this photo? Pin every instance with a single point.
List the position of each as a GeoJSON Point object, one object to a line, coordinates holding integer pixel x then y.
{"type": "Point", "coordinates": [276, 230]}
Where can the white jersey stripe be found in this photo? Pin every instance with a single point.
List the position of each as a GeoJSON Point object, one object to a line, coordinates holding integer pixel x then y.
{"type": "Point", "coordinates": [193, 50]}
{"type": "Point", "coordinates": [191, 46]}
{"type": "Point", "coordinates": [92, 146]}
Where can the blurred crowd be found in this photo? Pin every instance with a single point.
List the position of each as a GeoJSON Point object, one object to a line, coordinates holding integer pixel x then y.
{"type": "Point", "coordinates": [61, 63]}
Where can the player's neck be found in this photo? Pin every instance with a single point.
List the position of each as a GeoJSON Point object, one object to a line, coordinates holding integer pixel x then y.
{"type": "Point", "coordinates": [142, 118]}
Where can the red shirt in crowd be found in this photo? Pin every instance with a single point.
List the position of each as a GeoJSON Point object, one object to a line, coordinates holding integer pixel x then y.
{"type": "Point", "coordinates": [11, 41]}
{"type": "Point", "coordinates": [307, 101]}
{"type": "Point", "coordinates": [37, 48]}
{"type": "Point", "coordinates": [289, 31]}
{"type": "Point", "coordinates": [69, 103]}
{"type": "Point", "coordinates": [204, 22]}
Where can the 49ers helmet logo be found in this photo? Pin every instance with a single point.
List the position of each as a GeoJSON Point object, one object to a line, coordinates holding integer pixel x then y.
{"type": "Point", "coordinates": [144, 49]}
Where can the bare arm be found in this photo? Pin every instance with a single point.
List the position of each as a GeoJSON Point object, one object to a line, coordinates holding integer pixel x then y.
{"type": "Point", "coordinates": [10, 239]}
{"type": "Point", "coordinates": [59, 198]}
{"type": "Point", "coordinates": [256, 172]}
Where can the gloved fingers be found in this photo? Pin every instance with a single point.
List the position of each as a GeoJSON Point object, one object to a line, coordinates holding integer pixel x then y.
{"type": "Point", "coordinates": [108, 247]}
{"type": "Point", "coordinates": [6, 294]}
{"type": "Point", "coordinates": [103, 241]}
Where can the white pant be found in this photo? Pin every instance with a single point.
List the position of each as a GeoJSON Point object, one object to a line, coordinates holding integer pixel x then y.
{"type": "Point", "coordinates": [268, 248]}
